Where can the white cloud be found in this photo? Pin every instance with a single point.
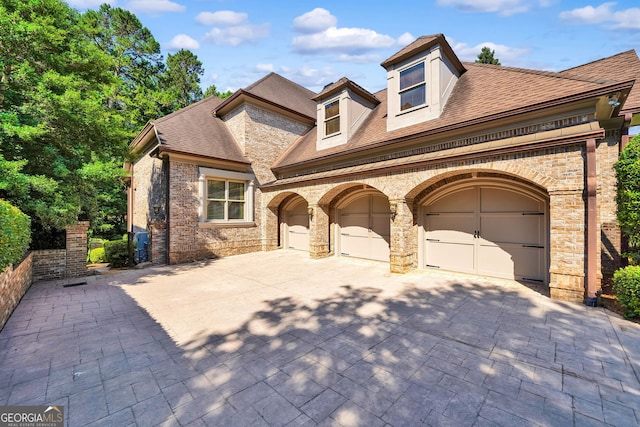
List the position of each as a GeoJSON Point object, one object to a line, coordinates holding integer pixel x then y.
{"type": "Point", "coordinates": [505, 54]}
{"type": "Point", "coordinates": [312, 78]}
{"type": "Point", "coordinates": [502, 7]}
{"type": "Point", "coordinates": [628, 19]}
{"type": "Point", "coordinates": [237, 35]}
{"type": "Point", "coordinates": [89, 4]}
{"type": "Point", "coordinates": [352, 41]}
{"type": "Point", "coordinates": [221, 17]}
{"type": "Point", "coordinates": [154, 6]}
{"type": "Point", "coordinates": [317, 20]}
{"type": "Point", "coordinates": [182, 41]}
{"type": "Point", "coordinates": [264, 68]}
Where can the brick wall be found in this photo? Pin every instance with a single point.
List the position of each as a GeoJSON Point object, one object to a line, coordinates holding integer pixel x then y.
{"type": "Point", "coordinates": [49, 264]}
{"type": "Point", "coordinates": [77, 249]}
{"type": "Point", "coordinates": [148, 192]}
{"type": "Point", "coordinates": [158, 242]}
{"type": "Point", "coordinates": [14, 283]}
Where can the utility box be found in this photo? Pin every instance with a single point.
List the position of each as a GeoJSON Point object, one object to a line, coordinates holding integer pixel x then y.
{"type": "Point", "coordinates": [141, 247]}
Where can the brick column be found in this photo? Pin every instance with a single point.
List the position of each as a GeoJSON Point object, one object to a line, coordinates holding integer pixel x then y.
{"type": "Point", "coordinates": [77, 249]}
{"type": "Point", "coordinates": [402, 254]}
{"type": "Point", "coordinates": [157, 242]}
{"type": "Point", "coordinates": [319, 231]}
{"type": "Point", "coordinates": [567, 245]}
{"type": "Point", "coordinates": [269, 229]}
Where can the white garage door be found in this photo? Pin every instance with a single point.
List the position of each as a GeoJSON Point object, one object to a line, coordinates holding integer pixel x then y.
{"type": "Point", "coordinates": [365, 228]}
{"type": "Point", "coordinates": [492, 231]}
{"type": "Point", "coordinates": [297, 220]}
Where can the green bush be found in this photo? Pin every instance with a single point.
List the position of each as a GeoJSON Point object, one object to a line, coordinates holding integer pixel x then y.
{"type": "Point", "coordinates": [97, 255]}
{"type": "Point", "coordinates": [117, 253]}
{"type": "Point", "coordinates": [626, 285]}
{"type": "Point", "coordinates": [628, 196]}
{"type": "Point", "coordinates": [15, 234]}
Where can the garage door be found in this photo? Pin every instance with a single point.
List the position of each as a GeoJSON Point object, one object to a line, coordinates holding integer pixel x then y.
{"type": "Point", "coordinates": [297, 220]}
{"type": "Point", "coordinates": [486, 230]}
{"type": "Point", "coordinates": [364, 228]}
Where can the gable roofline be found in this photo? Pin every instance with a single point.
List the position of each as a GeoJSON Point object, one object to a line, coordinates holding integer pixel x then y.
{"type": "Point", "coordinates": [249, 93]}
{"type": "Point", "coordinates": [345, 83]}
{"type": "Point", "coordinates": [626, 52]}
{"type": "Point", "coordinates": [421, 44]}
{"type": "Point", "coordinates": [242, 95]}
{"type": "Point", "coordinates": [593, 93]}
{"type": "Point", "coordinates": [142, 138]}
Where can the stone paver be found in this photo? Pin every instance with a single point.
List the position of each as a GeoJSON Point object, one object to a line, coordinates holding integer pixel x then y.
{"type": "Point", "coordinates": [278, 339]}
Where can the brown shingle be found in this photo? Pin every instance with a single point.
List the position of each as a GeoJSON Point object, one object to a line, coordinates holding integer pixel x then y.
{"type": "Point", "coordinates": [194, 130]}
{"type": "Point", "coordinates": [281, 91]}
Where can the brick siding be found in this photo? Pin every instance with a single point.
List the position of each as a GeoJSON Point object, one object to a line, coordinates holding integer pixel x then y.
{"type": "Point", "coordinates": [14, 283]}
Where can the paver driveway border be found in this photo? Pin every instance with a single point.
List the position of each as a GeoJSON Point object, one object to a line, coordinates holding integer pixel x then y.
{"type": "Point", "coordinates": [278, 339]}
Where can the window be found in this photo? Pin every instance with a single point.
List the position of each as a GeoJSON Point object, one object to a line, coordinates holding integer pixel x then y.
{"type": "Point", "coordinates": [225, 200]}
{"type": "Point", "coordinates": [332, 118]}
{"type": "Point", "coordinates": [412, 87]}
{"type": "Point", "coordinates": [225, 196]}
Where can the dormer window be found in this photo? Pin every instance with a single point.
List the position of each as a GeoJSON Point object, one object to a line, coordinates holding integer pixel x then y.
{"type": "Point", "coordinates": [412, 87]}
{"type": "Point", "coordinates": [332, 117]}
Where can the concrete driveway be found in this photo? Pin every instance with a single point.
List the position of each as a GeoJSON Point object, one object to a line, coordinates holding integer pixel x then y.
{"type": "Point", "coordinates": [277, 339]}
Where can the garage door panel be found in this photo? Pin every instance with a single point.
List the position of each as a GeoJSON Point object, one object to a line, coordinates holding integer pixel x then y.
{"type": "Point", "coordinates": [365, 228]}
{"type": "Point", "coordinates": [460, 201]}
{"type": "Point", "coordinates": [450, 256]}
{"type": "Point", "coordinates": [512, 228]}
{"type": "Point", "coordinates": [297, 220]}
{"type": "Point", "coordinates": [501, 200]}
{"type": "Point", "coordinates": [381, 226]}
{"type": "Point", "coordinates": [511, 261]}
{"type": "Point", "coordinates": [452, 227]}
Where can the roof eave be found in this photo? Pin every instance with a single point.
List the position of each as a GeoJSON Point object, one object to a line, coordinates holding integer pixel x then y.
{"type": "Point", "coordinates": [241, 95]}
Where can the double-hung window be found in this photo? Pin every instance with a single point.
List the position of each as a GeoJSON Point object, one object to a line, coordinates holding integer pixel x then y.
{"type": "Point", "coordinates": [226, 196]}
{"type": "Point", "coordinates": [225, 200]}
{"type": "Point", "coordinates": [332, 118]}
{"type": "Point", "coordinates": [412, 87]}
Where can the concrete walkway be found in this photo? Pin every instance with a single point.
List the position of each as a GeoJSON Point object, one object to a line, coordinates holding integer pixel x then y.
{"type": "Point", "coordinates": [277, 339]}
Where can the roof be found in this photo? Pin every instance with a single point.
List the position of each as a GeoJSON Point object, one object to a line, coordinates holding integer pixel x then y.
{"type": "Point", "coordinates": [341, 84]}
{"type": "Point", "coordinates": [276, 90]}
{"type": "Point", "coordinates": [620, 67]}
{"type": "Point", "coordinates": [194, 130]}
{"type": "Point", "coordinates": [421, 44]}
{"type": "Point", "coordinates": [483, 93]}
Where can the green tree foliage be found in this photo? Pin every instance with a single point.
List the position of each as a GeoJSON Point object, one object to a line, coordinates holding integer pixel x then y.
{"type": "Point", "coordinates": [14, 234]}
{"type": "Point", "coordinates": [486, 56]}
{"type": "Point", "coordinates": [182, 78]}
{"type": "Point", "coordinates": [628, 196]}
{"type": "Point", "coordinates": [52, 115]}
{"type": "Point", "coordinates": [213, 91]}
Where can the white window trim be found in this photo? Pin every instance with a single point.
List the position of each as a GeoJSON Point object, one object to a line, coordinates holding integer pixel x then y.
{"type": "Point", "coordinates": [223, 175]}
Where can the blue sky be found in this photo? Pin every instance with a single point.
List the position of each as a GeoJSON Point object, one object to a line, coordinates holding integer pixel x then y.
{"type": "Point", "coordinates": [317, 42]}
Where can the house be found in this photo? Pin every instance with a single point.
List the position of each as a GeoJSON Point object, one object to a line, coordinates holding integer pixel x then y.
{"type": "Point", "coordinates": [475, 168]}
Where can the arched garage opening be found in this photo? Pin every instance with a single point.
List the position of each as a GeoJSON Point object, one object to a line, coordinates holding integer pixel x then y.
{"type": "Point", "coordinates": [295, 223]}
{"type": "Point", "coordinates": [493, 227]}
{"type": "Point", "coordinates": [363, 225]}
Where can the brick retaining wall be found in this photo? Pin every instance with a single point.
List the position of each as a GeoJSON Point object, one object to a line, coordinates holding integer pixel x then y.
{"type": "Point", "coordinates": [14, 283]}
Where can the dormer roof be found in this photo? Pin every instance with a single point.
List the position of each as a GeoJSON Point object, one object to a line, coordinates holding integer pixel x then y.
{"type": "Point", "coordinates": [345, 83]}
{"type": "Point", "coordinates": [421, 44]}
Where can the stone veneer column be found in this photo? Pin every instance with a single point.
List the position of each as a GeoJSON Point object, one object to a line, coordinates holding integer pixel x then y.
{"type": "Point", "coordinates": [402, 254]}
{"type": "Point", "coordinates": [77, 249]}
{"type": "Point", "coordinates": [269, 229]}
{"type": "Point", "coordinates": [319, 231]}
{"type": "Point", "coordinates": [567, 249]}
{"type": "Point", "coordinates": [158, 242]}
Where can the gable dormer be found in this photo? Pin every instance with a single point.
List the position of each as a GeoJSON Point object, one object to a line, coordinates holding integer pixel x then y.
{"type": "Point", "coordinates": [420, 79]}
{"type": "Point", "coordinates": [341, 108]}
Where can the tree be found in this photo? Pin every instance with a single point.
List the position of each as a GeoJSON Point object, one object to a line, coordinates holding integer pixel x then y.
{"type": "Point", "coordinates": [52, 115]}
{"type": "Point", "coordinates": [486, 56]}
{"type": "Point", "coordinates": [182, 78]}
{"type": "Point", "coordinates": [628, 195]}
{"type": "Point", "coordinates": [213, 91]}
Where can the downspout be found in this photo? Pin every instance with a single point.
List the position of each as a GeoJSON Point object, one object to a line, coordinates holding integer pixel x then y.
{"type": "Point", "coordinates": [592, 287]}
{"type": "Point", "coordinates": [166, 209]}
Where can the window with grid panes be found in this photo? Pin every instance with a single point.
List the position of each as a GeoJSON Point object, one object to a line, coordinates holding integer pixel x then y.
{"type": "Point", "coordinates": [225, 200]}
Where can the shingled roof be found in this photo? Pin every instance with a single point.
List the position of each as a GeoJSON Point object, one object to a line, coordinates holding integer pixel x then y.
{"type": "Point", "coordinates": [483, 93]}
{"type": "Point", "coordinates": [194, 130]}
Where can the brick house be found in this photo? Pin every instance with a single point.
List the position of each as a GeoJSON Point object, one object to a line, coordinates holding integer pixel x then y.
{"type": "Point", "coordinates": [474, 168]}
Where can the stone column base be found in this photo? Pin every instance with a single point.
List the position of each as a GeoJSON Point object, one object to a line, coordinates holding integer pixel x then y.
{"type": "Point", "coordinates": [318, 251]}
{"type": "Point", "coordinates": [566, 287]}
{"type": "Point", "coordinates": [402, 263]}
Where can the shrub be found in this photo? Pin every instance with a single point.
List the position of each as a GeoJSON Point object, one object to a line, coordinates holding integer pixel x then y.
{"type": "Point", "coordinates": [117, 253]}
{"type": "Point", "coordinates": [15, 234]}
{"type": "Point", "coordinates": [96, 255]}
{"type": "Point", "coordinates": [628, 196]}
{"type": "Point", "coordinates": [626, 285]}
